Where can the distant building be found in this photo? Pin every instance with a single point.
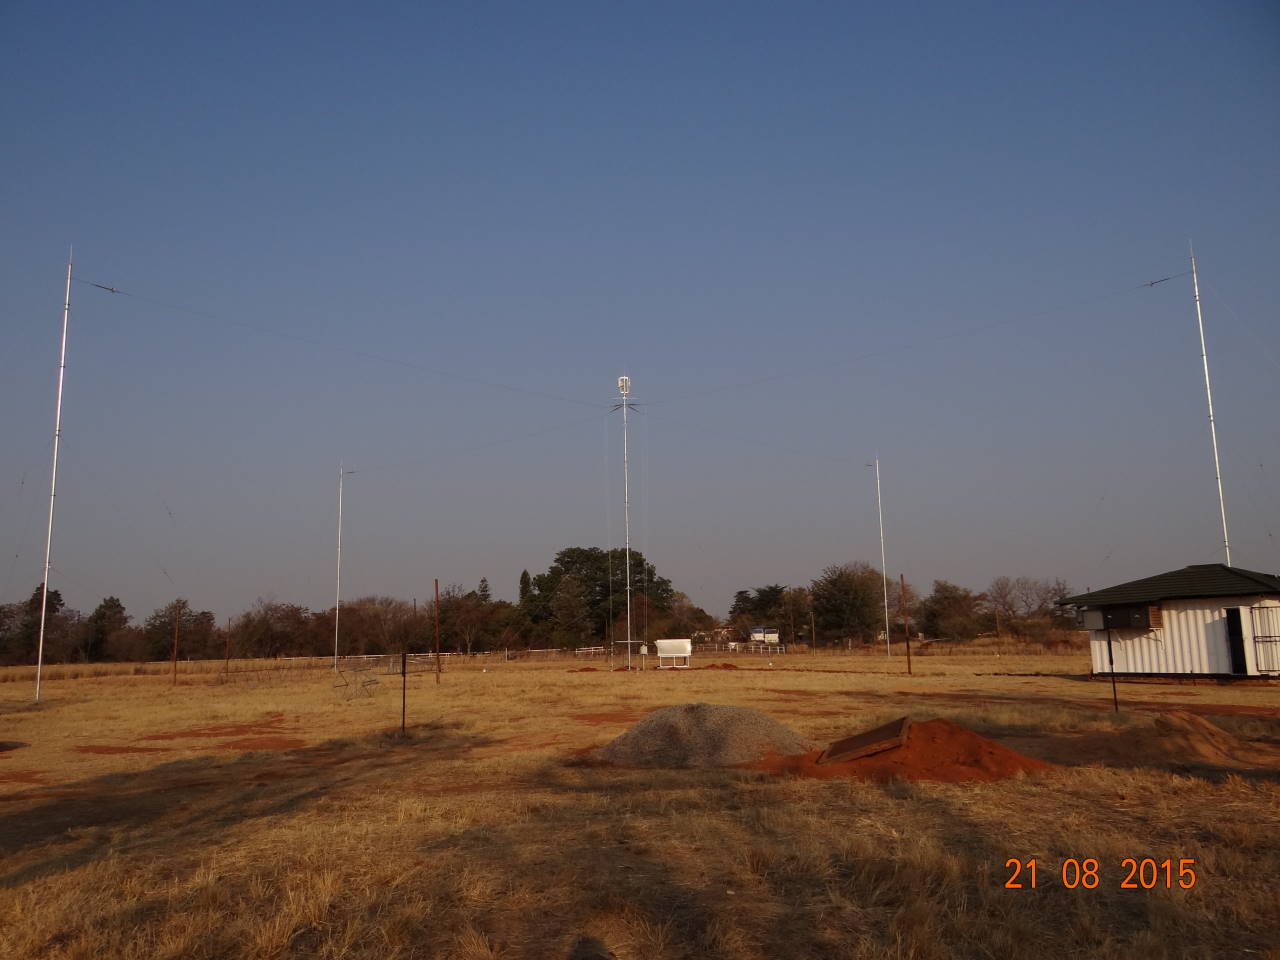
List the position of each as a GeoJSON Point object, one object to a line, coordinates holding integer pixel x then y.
{"type": "Point", "coordinates": [1208, 619]}
{"type": "Point", "coordinates": [764, 635]}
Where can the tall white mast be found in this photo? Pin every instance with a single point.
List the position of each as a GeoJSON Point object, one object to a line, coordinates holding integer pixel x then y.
{"type": "Point", "coordinates": [337, 602]}
{"type": "Point", "coordinates": [884, 571]}
{"type": "Point", "coordinates": [624, 389]}
{"type": "Point", "coordinates": [53, 476]}
{"type": "Point", "coordinates": [1208, 393]}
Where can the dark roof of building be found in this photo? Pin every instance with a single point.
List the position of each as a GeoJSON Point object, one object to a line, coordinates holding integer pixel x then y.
{"type": "Point", "coordinates": [1197, 580]}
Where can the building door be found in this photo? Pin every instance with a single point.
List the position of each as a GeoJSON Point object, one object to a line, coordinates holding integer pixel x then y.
{"type": "Point", "coordinates": [1266, 639]}
{"type": "Point", "coordinates": [1235, 640]}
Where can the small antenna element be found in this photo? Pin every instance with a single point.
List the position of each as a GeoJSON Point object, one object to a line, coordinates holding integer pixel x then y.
{"type": "Point", "coordinates": [624, 385]}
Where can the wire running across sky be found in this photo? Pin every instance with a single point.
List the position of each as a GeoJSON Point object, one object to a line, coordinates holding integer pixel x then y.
{"type": "Point", "coordinates": [810, 371]}
{"type": "Point", "coordinates": [340, 348]}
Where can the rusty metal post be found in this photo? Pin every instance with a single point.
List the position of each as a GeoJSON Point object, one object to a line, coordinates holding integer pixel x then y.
{"type": "Point", "coordinates": [906, 617]}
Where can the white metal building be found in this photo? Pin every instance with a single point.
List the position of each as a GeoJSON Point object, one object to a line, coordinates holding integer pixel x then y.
{"type": "Point", "coordinates": [1207, 619]}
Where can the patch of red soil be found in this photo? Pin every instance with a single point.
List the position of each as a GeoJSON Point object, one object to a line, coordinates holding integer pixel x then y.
{"type": "Point", "coordinates": [719, 666]}
{"type": "Point", "coordinates": [617, 716]}
{"type": "Point", "coordinates": [23, 776]}
{"type": "Point", "coordinates": [270, 725]}
{"type": "Point", "coordinates": [263, 743]}
{"type": "Point", "coordinates": [110, 748]}
{"type": "Point", "coordinates": [795, 693]}
{"type": "Point", "coordinates": [934, 750]}
{"type": "Point", "coordinates": [585, 670]}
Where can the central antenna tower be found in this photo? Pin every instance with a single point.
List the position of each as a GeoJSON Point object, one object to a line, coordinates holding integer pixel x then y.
{"type": "Point", "coordinates": [625, 404]}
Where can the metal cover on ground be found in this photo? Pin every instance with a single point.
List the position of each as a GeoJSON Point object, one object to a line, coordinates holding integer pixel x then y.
{"type": "Point", "coordinates": [891, 735]}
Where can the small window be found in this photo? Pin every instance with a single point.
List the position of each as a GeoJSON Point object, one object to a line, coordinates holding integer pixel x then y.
{"type": "Point", "coordinates": [1128, 618]}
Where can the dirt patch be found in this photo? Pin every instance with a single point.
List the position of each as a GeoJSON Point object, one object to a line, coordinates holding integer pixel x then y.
{"type": "Point", "coordinates": [719, 666]}
{"type": "Point", "coordinates": [701, 735]}
{"type": "Point", "coordinates": [585, 670]}
{"type": "Point", "coordinates": [795, 694]}
{"type": "Point", "coordinates": [811, 714]}
{"type": "Point", "coordinates": [1180, 740]}
{"type": "Point", "coordinates": [1183, 737]}
{"type": "Point", "coordinates": [23, 776]}
{"type": "Point", "coordinates": [272, 724]}
{"type": "Point", "coordinates": [263, 743]}
{"type": "Point", "coordinates": [7, 746]}
{"type": "Point", "coordinates": [111, 749]}
{"type": "Point", "coordinates": [615, 716]}
{"type": "Point", "coordinates": [936, 750]}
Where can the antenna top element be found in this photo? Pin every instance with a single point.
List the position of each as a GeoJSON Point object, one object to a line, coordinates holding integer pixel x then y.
{"type": "Point", "coordinates": [624, 385]}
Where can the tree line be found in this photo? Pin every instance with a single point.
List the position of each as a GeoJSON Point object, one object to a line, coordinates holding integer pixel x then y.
{"type": "Point", "coordinates": [845, 605]}
{"type": "Point", "coordinates": [579, 600]}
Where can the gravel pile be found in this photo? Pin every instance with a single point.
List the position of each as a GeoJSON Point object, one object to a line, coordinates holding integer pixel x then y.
{"type": "Point", "coordinates": [702, 735]}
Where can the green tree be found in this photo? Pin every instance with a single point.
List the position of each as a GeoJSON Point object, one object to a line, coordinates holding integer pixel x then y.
{"type": "Point", "coordinates": [197, 632]}
{"type": "Point", "coordinates": [952, 612]}
{"type": "Point", "coordinates": [743, 605]}
{"type": "Point", "coordinates": [526, 585]}
{"type": "Point", "coordinates": [763, 606]}
{"type": "Point", "coordinates": [571, 612]}
{"type": "Point", "coordinates": [795, 613]}
{"type": "Point", "coordinates": [602, 575]}
{"type": "Point", "coordinates": [847, 602]}
{"type": "Point", "coordinates": [107, 618]}
{"type": "Point", "coordinates": [22, 632]}
{"type": "Point", "coordinates": [482, 591]}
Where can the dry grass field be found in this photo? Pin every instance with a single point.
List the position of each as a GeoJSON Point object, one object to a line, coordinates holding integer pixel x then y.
{"type": "Point", "coordinates": [277, 819]}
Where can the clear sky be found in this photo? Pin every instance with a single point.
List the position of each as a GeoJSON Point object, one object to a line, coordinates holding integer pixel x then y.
{"type": "Point", "coordinates": [425, 239]}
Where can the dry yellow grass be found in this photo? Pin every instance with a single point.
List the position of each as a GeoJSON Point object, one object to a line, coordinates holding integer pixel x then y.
{"type": "Point", "coordinates": [472, 838]}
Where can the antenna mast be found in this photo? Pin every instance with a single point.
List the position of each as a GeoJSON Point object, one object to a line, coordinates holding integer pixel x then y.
{"type": "Point", "coordinates": [337, 602]}
{"type": "Point", "coordinates": [884, 570]}
{"type": "Point", "coordinates": [53, 477]}
{"type": "Point", "coordinates": [1208, 393]}
{"type": "Point", "coordinates": [624, 390]}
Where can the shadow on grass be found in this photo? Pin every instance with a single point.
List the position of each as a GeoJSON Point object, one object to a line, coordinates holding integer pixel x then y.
{"type": "Point", "coordinates": [188, 802]}
{"type": "Point", "coordinates": [625, 880]}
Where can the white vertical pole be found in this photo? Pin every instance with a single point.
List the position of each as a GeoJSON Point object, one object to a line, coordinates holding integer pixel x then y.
{"type": "Point", "coordinates": [337, 600]}
{"type": "Point", "coordinates": [624, 388]}
{"type": "Point", "coordinates": [1208, 393]}
{"type": "Point", "coordinates": [884, 570]}
{"type": "Point", "coordinates": [53, 477]}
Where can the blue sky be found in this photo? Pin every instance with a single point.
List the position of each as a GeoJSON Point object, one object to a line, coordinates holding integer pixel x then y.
{"type": "Point", "coordinates": [425, 240]}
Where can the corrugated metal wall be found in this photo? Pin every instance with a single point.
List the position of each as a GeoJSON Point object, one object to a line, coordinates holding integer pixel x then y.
{"type": "Point", "coordinates": [1192, 640]}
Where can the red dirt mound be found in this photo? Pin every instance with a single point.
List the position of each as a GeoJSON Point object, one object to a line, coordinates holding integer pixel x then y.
{"type": "Point", "coordinates": [585, 670]}
{"type": "Point", "coordinates": [719, 666]}
{"type": "Point", "coordinates": [934, 750]}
